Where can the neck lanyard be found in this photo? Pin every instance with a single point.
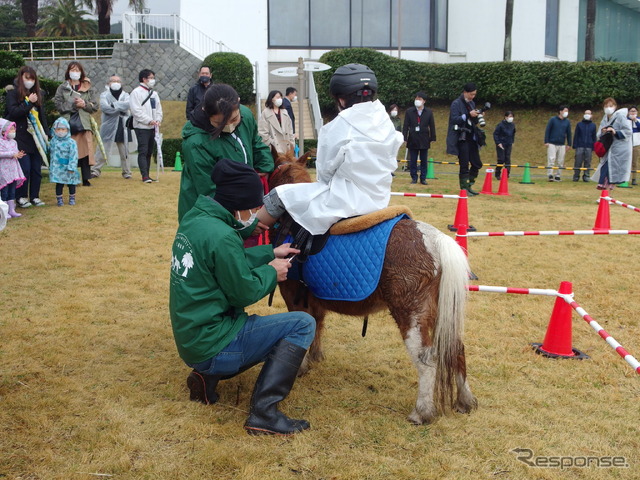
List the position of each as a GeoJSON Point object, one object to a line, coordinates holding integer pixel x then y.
{"type": "Point", "coordinates": [241, 146]}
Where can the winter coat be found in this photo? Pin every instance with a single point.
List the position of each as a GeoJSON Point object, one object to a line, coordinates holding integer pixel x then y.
{"type": "Point", "coordinates": [426, 134]}
{"type": "Point", "coordinates": [213, 278]}
{"type": "Point", "coordinates": [286, 104]}
{"type": "Point", "coordinates": [151, 111]}
{"type": "Point", "coordinates": [10, 170]}
{"type": "Point", "coordinates": [459, 118]}
{"type": "Point", "coordinates": [505, 133]}
{"type": "Point", "coordinates": [619, 155]}
{"type": "Point", "coordinates": [115, 112]}
{"type": "Point", "coordinates": [278, 134]}
{"type": "Point", "coordinates": [63, 156]}
{"type": "Point", "coordinates": [64, 101]}
{"type": "Point", "coordinates": [194, 97]}
{"type": "Point", "coordinates": [585, 134]}
{"type": "Point", "coordinates": [17, 110]}
{"type": "Point", "coordinates": [558, 131]}
{"type": "Point", "coordinates": [201, 153]}
{"type": "Point", "coordinates": [356, 156]}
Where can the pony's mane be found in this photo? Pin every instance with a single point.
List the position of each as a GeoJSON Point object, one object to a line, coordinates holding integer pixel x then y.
{"type": "Point", "coordinates": [289, 169]}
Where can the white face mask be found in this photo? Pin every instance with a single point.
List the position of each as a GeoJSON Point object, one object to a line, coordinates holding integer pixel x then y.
{"type": "Point", "coordinates": [609, 110]}
{"type": "Point", "coordinates": [116, 86]}
{"type": "Point", "coordinates": [633, 116]}
{"type": "Point", "coordinates": [61, 133]}
{"type": "Point", "coordinates": [394, 113]}
{"type": "Point", "coordinates": [277, 102]}
{"type": "Point", "coordinates": [510, 119]}
{"type": "Point", "coordinates": [74, 75]}
{"type": "Point", "coordinates": [11, 135]}
{"type": "Point", "coordinates": [565, 114]}
{"type": "Point", "coordinates": [249, 221]}
{"type": "Point", "coordinates": [28, 84]}
{"type": "Point", "coordinates": [587, 116]}
{"type": "Point", "coordinates": [151, 82]}
{"type": "Point", "coordinates": [229, 128]}
{"type": "Point", "coordinates": [417, 103]}
{"type": "Point", "coordinates": [295, 99]}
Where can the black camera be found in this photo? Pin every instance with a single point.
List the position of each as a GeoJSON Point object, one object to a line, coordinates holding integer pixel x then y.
{"type": "Point", "coordinates": [462, 132]}
{"type": "Point", "coordinates": [481, 121]}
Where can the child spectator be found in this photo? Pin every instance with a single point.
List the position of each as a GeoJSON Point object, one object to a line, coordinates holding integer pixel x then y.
{"type": "Point", "coordinates": [63, 166]}
{"type": "Point", "coordinates": [11, 176]}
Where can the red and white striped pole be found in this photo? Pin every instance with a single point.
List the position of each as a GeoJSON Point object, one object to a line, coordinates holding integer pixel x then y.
{"type": "Point", "coordinates": [426, 195]}
{"type": "Point", "coordinates": [553, 232]}
{"type": "Point", "coordinates": [617, 202]}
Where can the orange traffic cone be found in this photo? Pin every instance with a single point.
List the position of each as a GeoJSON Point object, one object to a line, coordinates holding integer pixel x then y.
{"type": "Point", "coordinates": [461, 238]}
{"type": "Point", "coordinates": [603, 221]}
{"type": "Point", "coordinates": [487, 185]}
{"type": "Point", "coordinates": [462, 215]}
{"type": "Point", "coordinates": [557, 341]}
{"type": "Point", "coordinates": [503, 189]}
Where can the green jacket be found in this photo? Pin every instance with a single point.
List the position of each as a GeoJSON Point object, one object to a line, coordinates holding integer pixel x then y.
{"type": "Point", "coordinates": [201, 153]}
{"type": "Point", "coordinates": [213, 277]}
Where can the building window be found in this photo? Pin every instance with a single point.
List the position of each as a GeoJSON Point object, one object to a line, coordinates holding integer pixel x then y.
{"type": "Point", "coordinates": [551, 26]}
{"type": "Point", "coordinates": [327, 24]}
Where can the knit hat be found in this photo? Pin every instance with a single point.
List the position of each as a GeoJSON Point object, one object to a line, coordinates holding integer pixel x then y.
{"type": "Point", "coordinates": [238, 186]}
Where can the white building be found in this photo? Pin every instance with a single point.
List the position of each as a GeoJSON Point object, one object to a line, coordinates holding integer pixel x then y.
{"type": "Point", "coordinates": [274, 33]}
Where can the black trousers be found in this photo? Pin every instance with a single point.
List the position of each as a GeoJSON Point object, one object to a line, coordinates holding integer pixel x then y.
{"type": "Point", "coordinates": [469, 158]}
{"type": "Point", "coordinates": [146, 141]}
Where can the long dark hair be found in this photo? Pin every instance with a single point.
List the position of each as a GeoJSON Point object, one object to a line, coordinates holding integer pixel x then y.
{"type": "Point", "coordinates": [22, 90]}
{"type": "Point", "coordinates": [220, 98]}
{"type": "Point", "coordinates": [269, 101]}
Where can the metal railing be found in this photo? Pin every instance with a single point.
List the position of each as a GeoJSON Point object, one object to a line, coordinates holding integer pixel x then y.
{"type": "Point", "coordinates": [316, 115]}
{"type": "Point", "coordinates": [140, 27]}
{"type": "Point", "coordinates": [58, 49]}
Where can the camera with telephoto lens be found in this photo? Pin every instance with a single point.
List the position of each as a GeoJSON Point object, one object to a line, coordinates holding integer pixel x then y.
{"type": "Point", "coordinates": [481, 121]}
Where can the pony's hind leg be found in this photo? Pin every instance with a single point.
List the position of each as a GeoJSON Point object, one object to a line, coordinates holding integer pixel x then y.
{"type": "Point", "coordinates": [465, 401]}
{"type": "Point", "coordinates": [425, 410]}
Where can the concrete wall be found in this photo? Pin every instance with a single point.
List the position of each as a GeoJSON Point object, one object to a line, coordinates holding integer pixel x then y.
{"type": "Point", "coordinates": [176, 70]}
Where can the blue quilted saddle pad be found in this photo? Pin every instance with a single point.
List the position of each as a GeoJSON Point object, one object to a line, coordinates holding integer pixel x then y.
{"type": "Point", "coordinates": [349, 266]}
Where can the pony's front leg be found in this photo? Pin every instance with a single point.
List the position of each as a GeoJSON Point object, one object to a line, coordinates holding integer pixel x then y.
{"type": "Point", "coordinates": [425, 410]}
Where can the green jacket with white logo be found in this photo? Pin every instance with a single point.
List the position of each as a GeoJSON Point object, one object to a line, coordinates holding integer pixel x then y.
{"type": "Point", "coordinates": [213, 278]}
{"type": "Point", "coordinates": [201, 153]}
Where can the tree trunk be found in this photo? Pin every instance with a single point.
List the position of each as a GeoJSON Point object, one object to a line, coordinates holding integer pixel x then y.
{"type": "Point", "coordinates": [30, 16]}
{"type": "Point", "coordinates": [590, 36]}
{"type": "Point", "coordinates": [103, 8]}
{"type": "Point", "coordinates": [508, 21]}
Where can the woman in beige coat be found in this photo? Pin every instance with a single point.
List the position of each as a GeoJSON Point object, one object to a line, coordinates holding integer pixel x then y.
{"type": "Point", "coordinates": [275, 125]}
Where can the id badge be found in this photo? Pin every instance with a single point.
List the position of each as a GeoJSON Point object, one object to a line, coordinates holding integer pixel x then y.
{"type": "Point", "coordinates": [418, 128]}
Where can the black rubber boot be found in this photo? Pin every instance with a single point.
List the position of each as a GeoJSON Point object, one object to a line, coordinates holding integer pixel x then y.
{"type": "Point", "coordinates": [272, 386]}
{"type": "Point", "coordinates": [464, 185]}
{"type": "Point", "coordinates": [202, 387]}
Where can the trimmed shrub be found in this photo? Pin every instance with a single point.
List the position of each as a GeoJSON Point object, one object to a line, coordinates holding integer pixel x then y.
{"type": "Point", "coordinates": [171, 146]}
{"type": "Point", "coordinates": [234, 69]}
{"type": "Point", "coordinates": [523, 84]}
{"type": "Point", "coordinates": [10, 60]}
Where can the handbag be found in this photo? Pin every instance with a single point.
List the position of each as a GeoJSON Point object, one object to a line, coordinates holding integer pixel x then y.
{"type": "Point", "coordinates": [129, 123]}
{"type": "Point", "coordinates": [602, 146]}
{"type": "Point", "coordinates": [75, 123]}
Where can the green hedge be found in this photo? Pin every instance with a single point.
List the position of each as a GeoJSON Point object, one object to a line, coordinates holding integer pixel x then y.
{"type": "Point", "coordinates": [171, 146]}
{"type": "Point", "coordinates": [523, 84]}
{"type": "Point", "coordinates": [234, 69]}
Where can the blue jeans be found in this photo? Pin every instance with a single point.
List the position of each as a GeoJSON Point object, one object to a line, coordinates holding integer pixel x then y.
{"type": "Point", "coordinates": [256, 339]}
{"type": "Point", "coordinates": [8, 192]}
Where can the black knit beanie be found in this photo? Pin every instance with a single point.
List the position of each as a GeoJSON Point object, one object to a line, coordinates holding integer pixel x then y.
{"type": "Point", "coordinates": [238, 186]}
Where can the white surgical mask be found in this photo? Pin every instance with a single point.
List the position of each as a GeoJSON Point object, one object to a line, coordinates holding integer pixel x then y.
{"type": "Point", "coordinates": [61, 134]}
{"type": "Point", "coordinates": [295, 99]}
{"type": "Point", "coordinates": [565, 114]}
{"type": "Point", "coordinates": [587, 116]}
{"type": "Point", "coordinates": [151, 83]}
{"type": "Point", "coordinates": [394, 113]}
{"type": "Point", "coordinates": [74, 75]}
{"type": "Point", "coordinates": [229, 128]}
{"type": "Point", "coordinates": [633, 116]}
{"type": "Point", "coordinates": [11, 135]}
{"type": "Point", "coordinates": [28, 84]}
{"type": "Point", "coordinates": [417, 103]}
{"type": "Point", "coordinates": [116, 86]}
{"type": "Point", "coordinates": [249, 221]}
{"type": "Point", "coordinates": [609, 110]}
{"type": "Point", "coordinates": [277, 102]}
{"type": "Point", "coordinates": [510, 119]}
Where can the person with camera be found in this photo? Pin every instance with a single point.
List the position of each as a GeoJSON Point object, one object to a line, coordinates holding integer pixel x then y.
{"type": "Point", "coordinates": [419, 130]}
{"type": "Point", "coordinates": [464, 137]}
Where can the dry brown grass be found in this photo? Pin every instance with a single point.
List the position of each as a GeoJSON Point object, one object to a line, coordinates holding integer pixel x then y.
{"type": "Point", "coordinates": [90, 381]}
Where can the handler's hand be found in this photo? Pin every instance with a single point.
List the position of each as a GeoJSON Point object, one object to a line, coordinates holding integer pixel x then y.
{"type": "Point", "coordinates": [285, 250]}
{"type": "Point", "coordinates": [282, 267]}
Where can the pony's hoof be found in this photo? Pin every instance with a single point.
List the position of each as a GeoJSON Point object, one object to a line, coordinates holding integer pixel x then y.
{"type": "Point", "coordinates": [418, 419]}
{"type": "Point", "coordinates": [467, 405]}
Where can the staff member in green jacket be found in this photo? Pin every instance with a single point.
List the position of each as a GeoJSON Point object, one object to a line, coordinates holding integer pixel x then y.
{"type": "Point", "coordinates": [219, 128]}
{"type": "Point", "coordinates": [213, 278]}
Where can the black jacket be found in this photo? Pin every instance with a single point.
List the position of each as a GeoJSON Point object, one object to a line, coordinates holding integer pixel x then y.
{"type": "Point", "coordinates": [195, 96]}
{"type": "Point", "coordinates": [422, 138]}
{"type": "Point", "coordinates": [505, 133]}
{"type": "Point", "coordinates": [286, 104]}
{"type": "Point", "coordinates": [17, 110]}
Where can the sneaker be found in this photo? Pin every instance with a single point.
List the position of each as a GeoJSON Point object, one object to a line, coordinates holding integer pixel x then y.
{"type": "Point", "coordinates": [126, 176]}
{"type": "Point", "coordinates": [423, 182]}
{"type": "Point", "coordinates": [86, 183]}
{"type": "Point", "coordinates": [557, 179]}
{"type": "Point", "coordinates": [551, 178]}
{"type": "Point", "coordinates": [23, 202]}
{"type": "Point", "coordinates": [147, 180]}
{"type": "Point", "coordinates": [59, 200]}
{"type": "Point", "coordinates": [72, 199]}
{"type": "Point", "coordinates": [37, 202]}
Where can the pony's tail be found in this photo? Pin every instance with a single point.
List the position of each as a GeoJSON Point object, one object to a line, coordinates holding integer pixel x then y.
{"type": "Point", "coordinates": [448, 331]}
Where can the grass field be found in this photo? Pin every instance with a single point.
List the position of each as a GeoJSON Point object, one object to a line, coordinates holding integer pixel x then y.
{"type": "Point", "coordinates": [91, 385]}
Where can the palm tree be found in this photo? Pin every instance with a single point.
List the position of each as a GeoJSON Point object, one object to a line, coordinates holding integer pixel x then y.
{"type": "Point", "coordinates": [104, 8]}
{"type": "Point", "coordinates": [30, 16]}
{"type": "Point", "coordinates": [187, 263]}
{"type": "Point", "coordinates": [508, 21]}
{"type": "Point", "coordinates": [65, 19]}
{"type": "Point", "coordinates": [590, 36]}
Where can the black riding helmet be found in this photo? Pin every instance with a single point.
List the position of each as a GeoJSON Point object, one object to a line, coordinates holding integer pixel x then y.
{"type": "Point", "coordinates": [353, 79]}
